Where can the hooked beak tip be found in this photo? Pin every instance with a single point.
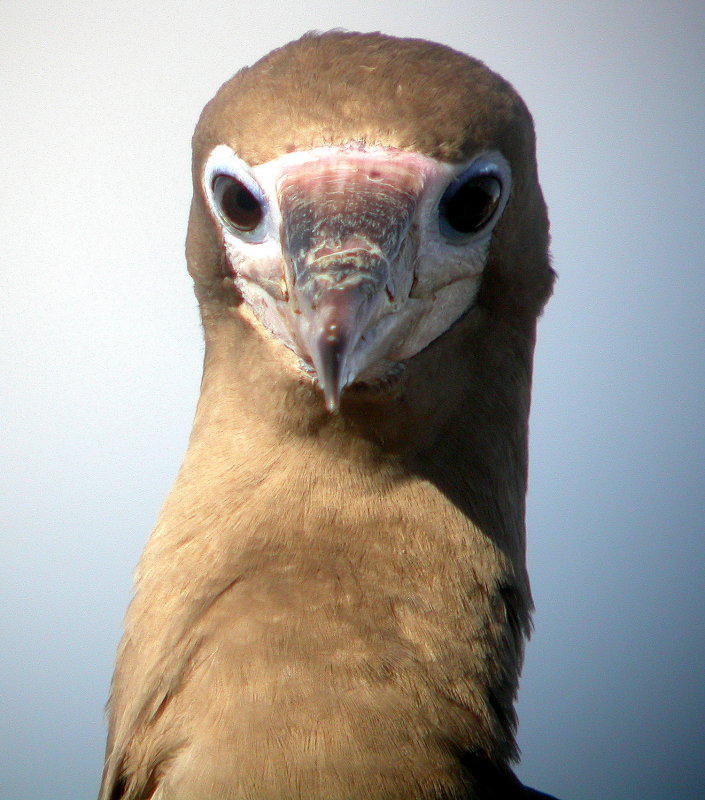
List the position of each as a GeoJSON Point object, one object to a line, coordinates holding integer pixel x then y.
{"type": "Point", "coordinates": [329, 351]}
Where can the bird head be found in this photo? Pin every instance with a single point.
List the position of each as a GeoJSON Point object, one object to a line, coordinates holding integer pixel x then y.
{"type": "Point", "coordinates": [355, 195]}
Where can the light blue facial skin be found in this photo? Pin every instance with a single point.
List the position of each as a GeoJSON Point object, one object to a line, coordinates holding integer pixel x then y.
{"type": "Point", "coordinates": [368, 269]}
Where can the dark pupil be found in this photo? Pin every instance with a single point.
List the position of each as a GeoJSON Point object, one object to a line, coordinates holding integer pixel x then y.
{"type": "Point", "coordinates": [472, 205]}
{"type": "Point", "coordinates": [237, 203]}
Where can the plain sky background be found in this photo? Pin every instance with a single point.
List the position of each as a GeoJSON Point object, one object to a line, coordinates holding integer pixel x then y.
{"type": "Point", "coordinates": [101, 351]}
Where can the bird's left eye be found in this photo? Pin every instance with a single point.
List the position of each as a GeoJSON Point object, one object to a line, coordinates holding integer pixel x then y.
{"type": "Point", "coordinates": [236, 204]}
{"type": "Point", "coordinates": [470, 203]}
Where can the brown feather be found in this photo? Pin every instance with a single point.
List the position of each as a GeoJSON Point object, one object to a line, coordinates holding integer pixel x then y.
{"type": "Point", "coordinates": [334, 606]}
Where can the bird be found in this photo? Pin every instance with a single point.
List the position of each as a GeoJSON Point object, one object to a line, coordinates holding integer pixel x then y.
{"type": "Point", "coordinates": [334, 602]}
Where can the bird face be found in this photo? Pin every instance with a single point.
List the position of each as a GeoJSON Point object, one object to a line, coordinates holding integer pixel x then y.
{"type": "Point", "coordinates": [354, 257]}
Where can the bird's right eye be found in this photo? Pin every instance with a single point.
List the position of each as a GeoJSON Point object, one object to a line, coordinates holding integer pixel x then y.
{"type": "Point", "coordinates": [236, 204]}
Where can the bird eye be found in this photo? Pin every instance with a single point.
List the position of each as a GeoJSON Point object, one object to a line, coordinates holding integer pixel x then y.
{"type": "Point", "coordinates": [469, 203]}
{"type": "Point", "coordinates": [236, 204]}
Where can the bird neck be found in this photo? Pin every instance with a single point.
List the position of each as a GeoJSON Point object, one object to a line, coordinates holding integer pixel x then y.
{"type": "Point", "coordinates": [435, 471]}
{"type": "Point", "coordinates": [456, 419]}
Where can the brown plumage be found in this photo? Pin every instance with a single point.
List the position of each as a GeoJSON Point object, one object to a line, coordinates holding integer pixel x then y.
{"type": "Point", "coordinates": [334, 600]}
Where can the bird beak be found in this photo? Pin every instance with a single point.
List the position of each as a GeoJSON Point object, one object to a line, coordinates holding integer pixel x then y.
{"type": "Point", "coordinates": [344, 224]}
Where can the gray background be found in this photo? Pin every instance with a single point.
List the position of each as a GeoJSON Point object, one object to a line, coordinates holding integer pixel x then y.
{"type": "Point", "coordinates": [101, 353]}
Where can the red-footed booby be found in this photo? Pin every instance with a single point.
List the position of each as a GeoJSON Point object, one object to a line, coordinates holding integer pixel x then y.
{"type": "Point", "coordinates": [334, 600]}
